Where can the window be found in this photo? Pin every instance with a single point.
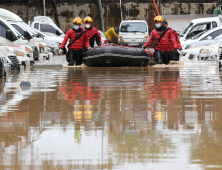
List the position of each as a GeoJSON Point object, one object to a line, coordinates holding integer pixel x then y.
{"type": "Point", "coordinates": [19, 29]}
{"type": "Point", "coordinates": [214, 24]}
{"type": "Point", "coordinates": [184, 31]}
{"type": "Point", "coordinates": [133, 27]}
{"type": "Point", "coordinates": [216, 33]}
{"type": "Point", "coordinates": [213, 34]}
{"type": "Point", "coordinates": [200, 27]}
{"type": "Point", "coordinates": [47, 28]}
{"type": "Point", "coordinates": [36, 26]}
{"type": "Point", "coordinates": [2, 31]}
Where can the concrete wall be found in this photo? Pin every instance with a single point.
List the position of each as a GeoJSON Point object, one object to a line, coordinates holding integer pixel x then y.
{"type": "Point", "coordinates": [111, 11]}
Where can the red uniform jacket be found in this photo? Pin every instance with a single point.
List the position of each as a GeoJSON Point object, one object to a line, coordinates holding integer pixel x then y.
{"type": "Point", "coordinates": [177, 40]}
{"type": "Point", "coordinates": [79, 43]}
{"type": "Point", "coordinates": [165, 42]}
{"type": "Point", "coordinates": [94, 35]}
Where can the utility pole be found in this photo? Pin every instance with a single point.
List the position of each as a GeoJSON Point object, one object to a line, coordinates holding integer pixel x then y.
{"type": "Point", "coordinates": [121, 10]}
{"type": "Point", "coordinates": [44, 7]}
{"type": "Point", "coordinates": [101, 15]}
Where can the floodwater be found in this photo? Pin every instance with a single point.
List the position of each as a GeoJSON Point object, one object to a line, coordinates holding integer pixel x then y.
{"type": "Point", "coordinates": [112, 118]}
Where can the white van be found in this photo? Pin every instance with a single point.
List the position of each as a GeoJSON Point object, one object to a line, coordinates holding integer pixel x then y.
{"type": "Point", "coordinates": [26, 32]}
{"type": "Point", "coordinates": [46, 25]}
{"type": "Point", "coordinates": [133, 33]}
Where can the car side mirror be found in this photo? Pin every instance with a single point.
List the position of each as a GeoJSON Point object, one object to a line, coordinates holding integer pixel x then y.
{"type": "Point", "coordinates": [209, 38]}
{"type": "Point", "coordinates": [27, 35]}
{"type": "Point", "coordinates": [58, 33]}
{"type": "Point", "coordinates": [9, 35]}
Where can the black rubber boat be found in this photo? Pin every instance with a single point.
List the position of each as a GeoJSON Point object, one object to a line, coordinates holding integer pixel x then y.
{"type": "Point", "coordinates": [116, 56]}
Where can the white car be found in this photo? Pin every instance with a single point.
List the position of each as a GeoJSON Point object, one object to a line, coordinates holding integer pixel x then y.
{"type": "Point", "coordinates": [194, 50]}
{"type": "Point", "coordinates": [208, 35]}
{"type": "Point", "coordinates": [53, 42]}
{"type": "Point", "coordinates": [16, 56]}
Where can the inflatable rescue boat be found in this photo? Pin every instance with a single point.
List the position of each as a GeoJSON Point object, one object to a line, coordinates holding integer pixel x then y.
{"type": "Point", "coordinates": [117, 56]}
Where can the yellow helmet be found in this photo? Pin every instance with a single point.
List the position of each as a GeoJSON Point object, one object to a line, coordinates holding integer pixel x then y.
{"type": "Point", "coordinates": [158, 18]}
{"type": "Point", "coordinates": [77, 20]}
{"type": "Point", "coordinates": [88, 19]}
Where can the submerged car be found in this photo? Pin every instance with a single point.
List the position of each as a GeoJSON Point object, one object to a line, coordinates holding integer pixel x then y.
{"type": "Point", "coordinates": [23, 57]}
{"type": "Point", "coordinates": [208, 35]}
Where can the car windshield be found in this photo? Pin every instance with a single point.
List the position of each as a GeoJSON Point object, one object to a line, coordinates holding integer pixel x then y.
{"type": "Point", "coordinates": [133, 27]}
{"type": "Point", "coordinates": [186, 28]}
{"type": "Point", "coordinates": [28, 28]}
{"type": "Point", "coordinates": [13, 29]}
{"type": "Point", "coordinates": [56, 27]}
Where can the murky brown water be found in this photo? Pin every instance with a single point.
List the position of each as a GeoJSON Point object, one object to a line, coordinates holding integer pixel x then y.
{"type": "Point", "coordinates": [112, 118]}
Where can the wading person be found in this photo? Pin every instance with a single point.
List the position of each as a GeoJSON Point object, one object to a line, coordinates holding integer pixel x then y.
{"type": "Point", "coordinates": [93, 33]}
{"type": "Point", "coordinates": [113, 31]}
{"type": "Point", "coordinates": [174, 54]}
{"type": "Point", "coordinates": [164, 37]}
{"type": "Point", "coordinates": [78, 37]}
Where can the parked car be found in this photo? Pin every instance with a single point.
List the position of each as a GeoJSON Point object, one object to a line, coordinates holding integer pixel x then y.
{"type": "Point", "coordinates": [210, 51]}
{"type": "Point", "coordinates": [22, 56]}
{"type": "Point", "coordinates": [209, 35]}
{"type": "Point", "coordinates": [53, 42]}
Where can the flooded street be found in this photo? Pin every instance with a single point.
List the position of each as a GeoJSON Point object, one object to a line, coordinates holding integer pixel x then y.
{"type": "Point", "coordinates": [159, 118]}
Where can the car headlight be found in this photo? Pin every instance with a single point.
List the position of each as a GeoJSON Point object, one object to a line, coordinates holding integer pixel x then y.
{"type": "Point", "coordinates": [41, 48]}
{"type": "Point", "coordinates": [207, 50]}
{"type": "Point", "coordinates": [29, 49]}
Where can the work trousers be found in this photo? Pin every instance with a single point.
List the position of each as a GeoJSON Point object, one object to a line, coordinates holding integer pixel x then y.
{"type": "Point", "coordinates": [162, 56]}
{"type": "Point", "coordinates": [74, 57]}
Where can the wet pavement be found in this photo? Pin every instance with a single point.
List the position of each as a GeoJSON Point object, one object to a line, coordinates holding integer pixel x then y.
{"type": "Point", "coordinates": [155, 118]}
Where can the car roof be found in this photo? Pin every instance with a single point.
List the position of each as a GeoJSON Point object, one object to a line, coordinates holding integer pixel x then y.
{"type": "Point", "coordinates": [210, 31]}
{"type": "Point", "coordinates": [199, 20]}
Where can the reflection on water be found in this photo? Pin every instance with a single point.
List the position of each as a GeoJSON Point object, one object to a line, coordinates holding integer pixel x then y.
{"type": "Point", "coordinates": [112, 118]}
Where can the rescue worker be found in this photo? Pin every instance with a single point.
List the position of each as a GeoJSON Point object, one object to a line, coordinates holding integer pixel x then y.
{"type": "Point", "coordinates": [93, 33]}
{"type": "Point", "coordinates": [164, 37]}
{"type": "Point", "coordinates": [175, 56]}
{"type": "Point", "coordinates": [113, 31]}
{"type": "Point", "coordinates": [77, 37]}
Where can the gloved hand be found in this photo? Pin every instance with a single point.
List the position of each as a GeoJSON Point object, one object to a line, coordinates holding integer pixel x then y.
{"type": "Point", "coordinates": [175, 50]}
{"type": "Point", "coordinates": [89, 48]}
{"type": "Point", "coordinates": [181, 52]}
{"type": "Point", "coordinates": [60, 51]}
